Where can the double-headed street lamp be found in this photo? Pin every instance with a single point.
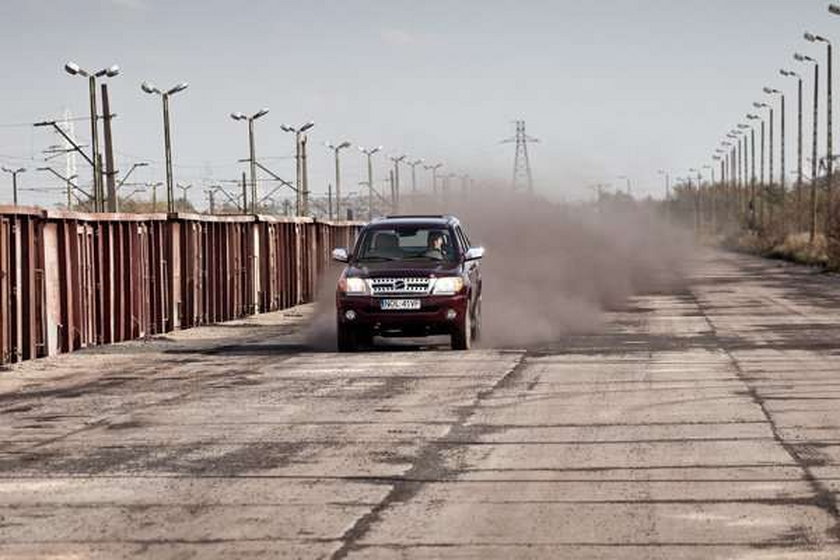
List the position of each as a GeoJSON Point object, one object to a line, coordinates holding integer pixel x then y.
{"type": "Point", "coordinates": [830, 163]}
{"type": "Point", "coordinates": [433, 169]}
{"type": "Point", "coordinates": [773, 91]}
{"type": "Point", "coordinates": [300, 168]}
{"type": "Point", "coordinates": [14, 173]}
{"type": "Point", "coordinates": [792, 74]}
{"type": "Point", "coordinates": [812, 229]}
{"type": "Point", "coordinates": [252, 158]}
{"type": "Point", "coordinates": [336, 149]}
{"type": "Point", "coordinates": [75, 70]}
{"type": "Point", "coordinates": [167, 143]}
{"type": "Point", "coordinates": [369, 153]}
{"type": "Point", "coordinates": [395, 195]}
{"type": "Point", "coordinates": [413, 165]}
{"type": "Point", "coordinates": [762, 105]}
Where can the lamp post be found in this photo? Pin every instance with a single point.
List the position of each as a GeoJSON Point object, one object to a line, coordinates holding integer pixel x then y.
{"type": "Point", "coordinates": [433, 169]}
{"type": "Point", "coordinates": [413, 165]}
{"type": "Point", "coordinates": [812, 229]}
{"type": "Point", "coordinates": [830, 163]}
{"type": "Point", "coordinates": [782, 175]}
{"type": "Point", "coordinates": [395, 195]}
{"type": "Point", "coordinates": [369, 153]}
{"type": "Point", "coordinates": [336, 149]}
{"type": "Point", "coordinates": [300, 172]}
{"type": "Point", "coordinates": [14, 173]}
{"type": "Point", "coordinates": [167, 142]}
{"type": "Point", "coordinates": [696, 197]}
{"type": "Point", "coordinates": [75, 70]}
{"type": "Point", "coordinates": [792, 74]}
{"type": "Point", "coordinates": [252, 158]}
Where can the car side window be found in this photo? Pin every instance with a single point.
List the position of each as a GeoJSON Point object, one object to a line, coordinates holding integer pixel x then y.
{"type": "Point", "coordinates": [462, 239]}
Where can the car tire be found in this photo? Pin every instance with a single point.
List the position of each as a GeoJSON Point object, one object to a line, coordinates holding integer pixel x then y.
{"type": "Point", "coordinates": [347, 340]}
{"type": "Point", "coordinates": [476, 322]}
{"type": "Point", "coordinates": [462, 335]}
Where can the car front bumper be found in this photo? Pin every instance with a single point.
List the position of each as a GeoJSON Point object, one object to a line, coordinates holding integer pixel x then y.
{"type": "Point", "coordinates": [433, 317]}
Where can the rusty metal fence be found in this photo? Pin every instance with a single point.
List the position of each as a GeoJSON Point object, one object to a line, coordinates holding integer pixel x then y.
{"type": "Point", "coordinates": [70, 280]}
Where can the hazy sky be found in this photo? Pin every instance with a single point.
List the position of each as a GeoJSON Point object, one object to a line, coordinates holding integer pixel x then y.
{"type": "Point", "coordinates": [610, 87]}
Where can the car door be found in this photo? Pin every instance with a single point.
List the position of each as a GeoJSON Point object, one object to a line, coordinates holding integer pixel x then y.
{"type": "Point", "coordinates": [472, 268]}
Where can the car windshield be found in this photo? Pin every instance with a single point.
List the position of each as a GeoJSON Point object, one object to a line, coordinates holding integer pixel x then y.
{"type": "Point", "coordinates": [406, 243]}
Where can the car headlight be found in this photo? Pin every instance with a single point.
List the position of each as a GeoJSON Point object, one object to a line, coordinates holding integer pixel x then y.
{"type": "Point", "coordinates": [353, 286]}
{"type": "Point", "coordinates": [448, 286]}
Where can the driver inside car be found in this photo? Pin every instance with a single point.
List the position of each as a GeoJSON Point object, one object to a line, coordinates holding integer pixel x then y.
{"type": "Point", "coordinates": [436, 246]}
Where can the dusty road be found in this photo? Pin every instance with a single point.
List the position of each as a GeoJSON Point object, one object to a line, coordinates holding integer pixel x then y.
{"type": "Point", "coordinates": [703, 423]}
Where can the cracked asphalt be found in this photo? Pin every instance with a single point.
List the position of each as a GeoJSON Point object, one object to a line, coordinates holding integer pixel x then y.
{"type": "Point", "coordinates": [700, 423]}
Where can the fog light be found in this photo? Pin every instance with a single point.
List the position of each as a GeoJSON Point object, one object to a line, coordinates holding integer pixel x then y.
{"type": "Point", "coordinates": [350, 315]}
{"type": "Point", "coordinates": [451, 314]}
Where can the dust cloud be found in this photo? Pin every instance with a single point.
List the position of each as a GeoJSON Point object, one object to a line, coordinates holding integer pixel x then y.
{"type": "Point", "coordinates": [550, 269]}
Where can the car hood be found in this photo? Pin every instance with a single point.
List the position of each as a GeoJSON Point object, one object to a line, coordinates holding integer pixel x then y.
{"type": "Point", "coordinates": [403, 269]}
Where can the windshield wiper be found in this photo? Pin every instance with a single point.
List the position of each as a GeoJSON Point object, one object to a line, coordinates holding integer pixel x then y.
{"type": "Point", "coordinates": [376, 258]}
{"type": "Point", "coordinates": [429, 257]}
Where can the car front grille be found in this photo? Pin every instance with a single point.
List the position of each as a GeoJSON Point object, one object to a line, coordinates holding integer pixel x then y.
{"type": "Point", "coordinates": [399, 286]}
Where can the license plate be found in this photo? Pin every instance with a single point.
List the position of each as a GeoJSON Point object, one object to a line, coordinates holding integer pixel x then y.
{"type": "Point", "coordinates": [399, 304]}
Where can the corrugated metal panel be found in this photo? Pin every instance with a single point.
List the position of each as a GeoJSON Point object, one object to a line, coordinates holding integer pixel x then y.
{"type": "Point", "coordinates": [118, 277]}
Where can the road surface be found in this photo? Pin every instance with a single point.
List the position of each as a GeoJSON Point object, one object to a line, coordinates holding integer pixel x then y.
{"type": "Point", "coordinates": [702, 423]}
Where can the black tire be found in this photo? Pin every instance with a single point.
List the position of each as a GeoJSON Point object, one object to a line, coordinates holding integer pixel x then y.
{"type": "Point", "coordinates": [476, 322]}
{"type": "Point", "coordinates": [347, 340]}
{"type": "Point", "coordinates": [462, 335]}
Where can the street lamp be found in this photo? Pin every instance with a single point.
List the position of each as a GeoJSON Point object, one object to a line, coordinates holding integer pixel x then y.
{"type": "Point", "coordinates": [433, 169]}
{"type": "Point", "coordinates": [395, 196]}
{"type": "Point", "coordinates": [413, 165]}
{"type": "Point", "coordinates": [812, 233]}
{"type": "Point", "coordinates": [819, 39]}
{"type": "Point", "coordinates": [300, 169]}
{"type": "Point", "coordinates": [252, 158]}
{"type": "Point", "coordinates": [14, 173]}
{"type": "Point", "coordinates": [75, 70]}
{"type": "Point", "coordinates": [792, 74]}
{"type": "Point", "coordinates": [369, 153]}
{"type": "Point", "coordinates": [167, 143]}
{"type": "Point", "coordinates": [336, 149]}
{"type": "Point", "coordinates": [773, 91]}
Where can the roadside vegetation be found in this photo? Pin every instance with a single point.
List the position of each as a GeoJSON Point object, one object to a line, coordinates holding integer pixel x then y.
{"type": "Point", "coordinates": [764, 220]}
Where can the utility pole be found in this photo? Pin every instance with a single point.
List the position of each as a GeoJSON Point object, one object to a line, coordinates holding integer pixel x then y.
{"type": "Point", "coordinates": [110, 172]}
{"type": "Point", "coordinates": [305, 175]}
{"type": "Point", "coordinates": [521, 163]}
{"type": "Point", "coordinates": [211, 195]}
{"type": "Point", "coordinates": [245, 196]}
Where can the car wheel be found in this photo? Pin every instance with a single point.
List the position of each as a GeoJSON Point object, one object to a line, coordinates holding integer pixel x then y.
{"type": "Point", "coordinates": [347, 341]}
{"type": "Point", "coordinates": [462, 335]}
{"type": "Point", "coordinates": [476, 322]}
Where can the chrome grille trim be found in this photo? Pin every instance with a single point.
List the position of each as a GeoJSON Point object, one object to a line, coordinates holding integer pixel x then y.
{"type": "Point", "coordinates": [413, 286]}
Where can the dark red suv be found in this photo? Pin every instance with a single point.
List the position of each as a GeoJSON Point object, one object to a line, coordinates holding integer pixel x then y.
{"type": "Point", "coordinates": [409, 276]}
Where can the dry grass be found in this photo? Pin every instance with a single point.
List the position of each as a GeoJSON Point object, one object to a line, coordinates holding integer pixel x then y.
{"type": "Point", "coordinates": [797, 248]}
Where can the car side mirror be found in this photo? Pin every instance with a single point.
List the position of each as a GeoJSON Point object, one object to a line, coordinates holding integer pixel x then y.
{"type": "Point", "coordinates": [474, 253]}
{"type": "Point", "coordinates": [340, 255]}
